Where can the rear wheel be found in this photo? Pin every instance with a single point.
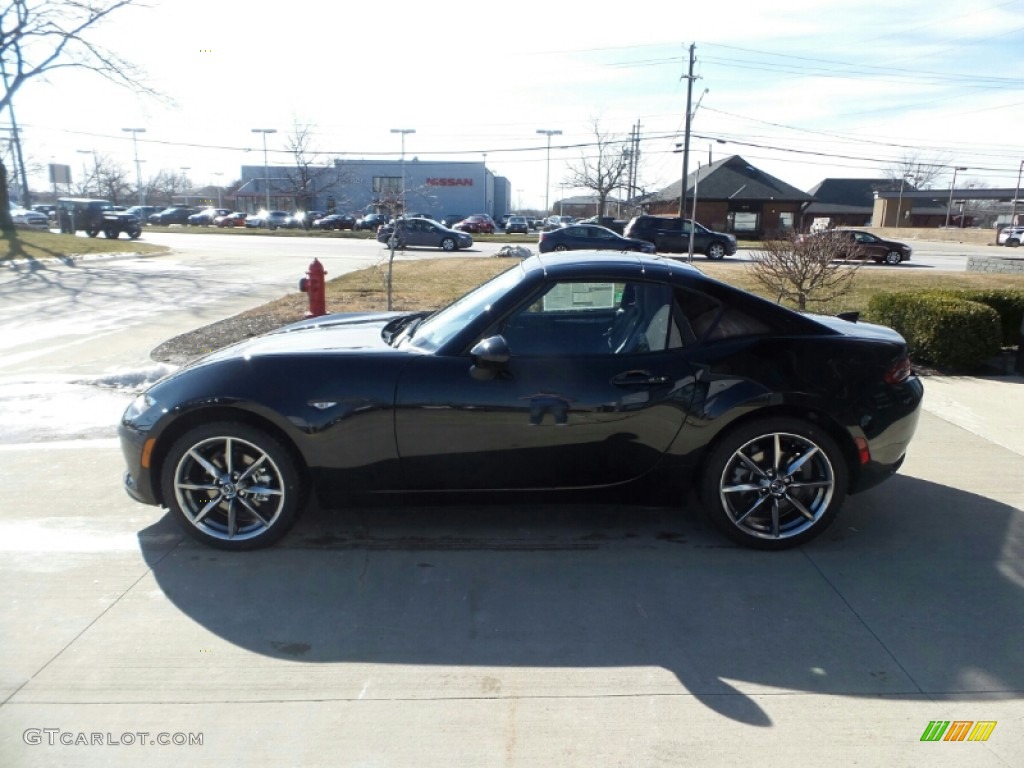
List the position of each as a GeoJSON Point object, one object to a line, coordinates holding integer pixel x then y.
{"type": "Point", "coordinates": [774, 483]}
{"type": "Point", "coordinates": [560, 247]}
{"type": "Point", "coordinates": [232, 486]}
{"type": "Point", "coordinates": [1013, 242]}
{"type": "Point", "coordinates": [92, 231]}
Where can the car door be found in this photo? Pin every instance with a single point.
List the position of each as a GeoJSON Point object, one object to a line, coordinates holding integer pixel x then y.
{"type": "Point", "coordinates": [869, 245]}
{"type": "Point", "coordinates": [593, 393]}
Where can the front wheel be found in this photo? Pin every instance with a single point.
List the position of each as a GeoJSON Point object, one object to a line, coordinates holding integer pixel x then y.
{"type": "Point", "coordinates": [232, 486]}
{"type": "Point", "coordinates": [892, 258]}
{"type": "Point", "coordinates": [774, 483]}
{"type": "Point", "coordinates": [716, 251]}
{"type": "Point", "coordinates": [448, 244]}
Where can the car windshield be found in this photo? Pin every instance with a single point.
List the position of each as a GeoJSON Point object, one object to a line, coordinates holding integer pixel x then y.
{"type": "Point", "coordinates": [436, 330]}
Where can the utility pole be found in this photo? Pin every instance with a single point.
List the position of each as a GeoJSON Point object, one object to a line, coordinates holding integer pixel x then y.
{"type": "Point", "coordinates": [16, 154]}
{"type": "Point", "coordinates": [686, 135]}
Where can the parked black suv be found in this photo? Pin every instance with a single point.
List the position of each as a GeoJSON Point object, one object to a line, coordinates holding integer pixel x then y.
{"type": "Point", "coordinates": [75, 214]}
{"type": "Point", "coordinates": [671, 234]}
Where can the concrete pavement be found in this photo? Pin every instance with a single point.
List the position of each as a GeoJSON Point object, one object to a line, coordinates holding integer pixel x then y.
{"type": "Point", "coordinates": [509, 635]}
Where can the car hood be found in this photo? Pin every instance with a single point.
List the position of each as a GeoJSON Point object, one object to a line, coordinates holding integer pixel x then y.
{"type": "Point", "coordinates": [339, 333]}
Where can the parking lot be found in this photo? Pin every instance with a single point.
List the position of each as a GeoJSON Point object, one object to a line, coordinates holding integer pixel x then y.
{"type": "Point", "coordinates": [485, 632]}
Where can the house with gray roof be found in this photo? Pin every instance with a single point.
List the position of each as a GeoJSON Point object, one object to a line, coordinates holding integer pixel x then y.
{"type": "Point", "coordinates": [734, 196]}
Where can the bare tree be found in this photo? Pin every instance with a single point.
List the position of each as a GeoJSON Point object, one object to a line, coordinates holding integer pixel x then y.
{"type": "Point", "coordinates": [919, 172]}
{"type": "Point", "coordinates": [166, 185]}
{"type": "Point", "coordinates": [602, 168]}
{"type": "Point", "coordinates": [309, 178]}
{"type": "Point", "coordinates": [112, 180]}
{"type": "Point", "coordinates": [39, 37]}
{"type": "Point", "coordinates": [804, 269]}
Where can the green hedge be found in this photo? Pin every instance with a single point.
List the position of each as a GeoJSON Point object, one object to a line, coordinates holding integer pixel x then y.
{"type": "Point", "coordinates": [1009, 304]}
{"type": "Point", "coordinates": [940, 327]}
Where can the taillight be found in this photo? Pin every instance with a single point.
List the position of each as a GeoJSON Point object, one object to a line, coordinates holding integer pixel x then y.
{"type": "Point", "coordinates": [899, 371]}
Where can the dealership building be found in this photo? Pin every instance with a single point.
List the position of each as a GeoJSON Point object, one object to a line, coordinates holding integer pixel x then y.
{"type": "Point", "coordinates": [438, 188]}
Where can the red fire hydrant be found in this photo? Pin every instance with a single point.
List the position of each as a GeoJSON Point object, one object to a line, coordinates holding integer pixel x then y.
{"type": "Point", "coordinates": [313, 284]}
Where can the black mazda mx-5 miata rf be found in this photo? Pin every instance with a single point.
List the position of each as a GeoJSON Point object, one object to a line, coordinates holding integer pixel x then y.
{"type": "Point", "coordinates": [567, 371]}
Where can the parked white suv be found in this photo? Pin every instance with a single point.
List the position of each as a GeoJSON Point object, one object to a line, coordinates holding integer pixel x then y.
{"type": "Point", "coordinates": [1011, 236]}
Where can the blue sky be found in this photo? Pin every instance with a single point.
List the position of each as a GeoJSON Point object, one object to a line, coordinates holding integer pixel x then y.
{"type": "Point", "coordinates": [804, 91]}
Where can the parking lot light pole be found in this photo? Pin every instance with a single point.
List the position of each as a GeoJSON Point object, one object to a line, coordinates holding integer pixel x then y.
{"type": "Point", "coordinates": [547, 177]}
{"type": "Point", "coordinates": [952, 186]}
{"type": "Point", "coordinates": [266, 168]}
{"type": "Point", "coordinates": [138, 168]}
{"type": "Point", "coordinates": [403, 132]}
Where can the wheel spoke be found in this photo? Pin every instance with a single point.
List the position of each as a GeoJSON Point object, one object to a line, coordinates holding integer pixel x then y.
{"type": "Point", "coordinates": [232, 519]}
{"type": "Point", "coordinates": [255, 465]}
{"type": "Point", "coordinates": [194, 487]}
{"type": "Point", "coordinates": [745, 515]}
{"type": "Point", "coordinates": [228, 459]}
{"type": "Point", "coordinates": [812, 484]}
{"type": "Point", "coordinates": [777, 439]}
{"type": "Point", "coordinates": [746, 487]}
{"type": "Point", "coordinates": [263, 490]}
{"type": "Point", "coordinates": [775, 517]}
{"type": "Point", "coordinates": [750, 464]}
{"type": "Point", "coordinates": [210, 468]}
{"type": "Point", "coordinates": [793, 468]}
{"type": "Point", "coordinates": [211, 504]}
{"type": "Point", "coordinates": [800, 507]}
{"type": "Point", "coordinates": [253, 511]}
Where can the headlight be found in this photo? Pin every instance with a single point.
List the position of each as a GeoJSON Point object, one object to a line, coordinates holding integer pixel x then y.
{"type": "Point", "coordinates": [140, 406]}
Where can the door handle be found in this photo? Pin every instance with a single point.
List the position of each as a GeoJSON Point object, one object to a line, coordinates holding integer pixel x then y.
{"type": "Point", "coordinates": [639, 379]}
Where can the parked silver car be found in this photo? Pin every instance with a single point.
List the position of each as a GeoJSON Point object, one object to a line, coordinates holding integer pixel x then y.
{"type": "Point", "coordinates": [424, 232]}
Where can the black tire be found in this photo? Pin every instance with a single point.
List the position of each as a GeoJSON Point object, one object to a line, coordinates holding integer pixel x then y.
{"type": "Point", "coordinates": [892, 258]}
{"type": "Point", "coordinates": [211, 480]}
{"type": "Point", "coordinates": [135, 234]}
{"type": "Point", "coordinates": [1013, 242]}
{"type": "Point", "coordinates": [560, 247]}
{"type": "Point", "coordinates": [92, 232]}
{"type": "Point", "coordinates": [715, 252]}
{"type": "Point", "coordinates": [449, 244]}
{"type": "Point", "coordinates": [774, 483]}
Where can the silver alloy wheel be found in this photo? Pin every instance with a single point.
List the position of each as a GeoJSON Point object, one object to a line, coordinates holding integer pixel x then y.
{"type": "Point", "coordinates": [229, 488]}
{"type": "Point", "coordinates": [777, 486]}
{"type": "Point", "coordinates": [716, 251]}
{"type": "Point", "coordinates": [893, 258]}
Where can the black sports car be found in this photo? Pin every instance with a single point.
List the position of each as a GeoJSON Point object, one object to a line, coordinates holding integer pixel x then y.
{"type": "Point", "coordinates": [582, 237]}
{"type": "Point", "coordinates": [571, 371]}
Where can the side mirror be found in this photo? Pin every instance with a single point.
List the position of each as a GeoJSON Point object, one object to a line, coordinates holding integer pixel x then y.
{"type": "Point", "coordinates": [489, 356]}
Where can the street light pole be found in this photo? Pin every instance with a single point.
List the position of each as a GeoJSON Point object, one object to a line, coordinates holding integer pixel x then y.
{"type": "Point", "coordinates": [138, 168]}
{"type": "Point", "coordinates": [95, 168]}
{"type": "Point", "coordinates": [403, 132]}
{"type": "Point", "coordinates": [952, 185]}
{"type": "Point", "coordinates": [219, 189]}
{"type": "Point", "coordinates": [899, 208]}
{"type": "Point", "coordinates": [547, 177]}
{"type": "Point", "coordinates": [1016, 194]}
{"type": "Point", "coordinates": [266, 168]}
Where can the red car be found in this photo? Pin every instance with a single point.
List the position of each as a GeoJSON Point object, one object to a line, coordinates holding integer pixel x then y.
{"type": "Point", "coordinates": [233, 219]}
{"type": "Point", "coordinates": [478, 223]}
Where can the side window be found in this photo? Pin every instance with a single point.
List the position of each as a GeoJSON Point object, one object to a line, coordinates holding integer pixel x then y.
{"type": "Point", "coordinates": [577, 318]}
{"type": "Point", "coordinates": [707, 319]}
